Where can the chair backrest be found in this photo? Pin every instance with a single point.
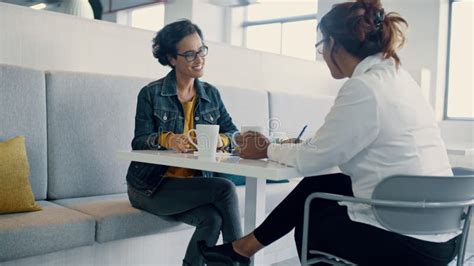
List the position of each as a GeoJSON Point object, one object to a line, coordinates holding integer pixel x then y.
{"type": "Point", "coordinates": [423, 189]}
{"type": "Point", "coordinates": [90, 118]}
{"type": "Point", "coordinates": [23, 109]}
{"type": "Point", "coordinates": [459, 171]}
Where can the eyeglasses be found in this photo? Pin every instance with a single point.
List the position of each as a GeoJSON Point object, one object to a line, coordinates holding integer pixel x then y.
{"type": "Point", "coordinates": [320, 46]}
{"type": "Point", "coordinates": [191, 55]}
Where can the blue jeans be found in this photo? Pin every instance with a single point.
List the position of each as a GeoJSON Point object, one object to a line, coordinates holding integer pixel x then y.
{"type": "Point", "coordinates": [209, 204]}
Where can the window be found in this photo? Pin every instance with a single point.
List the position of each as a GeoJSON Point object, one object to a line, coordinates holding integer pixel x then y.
{"type": "Point", "coordinates": [282, 27]}
{"type": "Point", "coordinates": [460, 78]}
{"type": "Point", "coordinates": [266, 38]}
{"type": "Point", "coordinates": [274, 9]}
{"type": "Point", "coordinates": [150, 17]}
{"type": "Point", "coordinates": [298, 39]}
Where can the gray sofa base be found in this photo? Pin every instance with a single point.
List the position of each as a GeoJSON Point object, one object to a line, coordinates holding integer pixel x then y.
{"type": "Point", "coordinates": [127, 236]}
{"type": "Point", "coordinates": [51, 229]}
{"type": "Point", "coordinates": [157, 249]}
{"type": "Point", "coordinates": [107, 230]}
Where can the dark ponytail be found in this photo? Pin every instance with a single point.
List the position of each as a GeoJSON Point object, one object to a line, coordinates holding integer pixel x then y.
{"type": "Point", "coordinates": [363, 29]}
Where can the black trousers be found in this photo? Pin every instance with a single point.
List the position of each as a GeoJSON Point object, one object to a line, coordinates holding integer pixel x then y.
{"type": "Point", "coordinates": [331, 230]}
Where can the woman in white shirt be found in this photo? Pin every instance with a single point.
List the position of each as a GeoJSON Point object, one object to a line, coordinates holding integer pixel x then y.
{"type": "Point", "coordinates": [380, 125]}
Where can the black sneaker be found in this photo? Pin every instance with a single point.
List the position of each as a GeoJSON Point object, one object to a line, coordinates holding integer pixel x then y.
{"type": "Point", "coordinates": [224, 254]}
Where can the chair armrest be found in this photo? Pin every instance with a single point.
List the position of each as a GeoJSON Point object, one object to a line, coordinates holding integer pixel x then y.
{"type": "Point", "coordinates": [388, 203]}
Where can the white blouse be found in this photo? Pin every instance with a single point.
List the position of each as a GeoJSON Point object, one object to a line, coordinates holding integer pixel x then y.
{"type": "Point", "coordinates": [380, 125]}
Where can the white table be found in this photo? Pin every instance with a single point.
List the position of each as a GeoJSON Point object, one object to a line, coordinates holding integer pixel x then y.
{"type": "Point", "coordinates": [255, 171]}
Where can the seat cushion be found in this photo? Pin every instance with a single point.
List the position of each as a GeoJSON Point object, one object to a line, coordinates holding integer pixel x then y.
{"type": "Point", "coordinates": [23, 112]}
{"type": "Point", "coordinates": [117, 219]}
{"type": "Point", "coordinates": [52, 229]}
{"type": "Point", "coordinates": [15, 188]}
{"type": "Point", "coordinates": [90, 118]}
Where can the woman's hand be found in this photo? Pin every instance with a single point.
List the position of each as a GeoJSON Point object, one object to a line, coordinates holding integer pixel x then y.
{"type": "Point", "coordinates": [220, 143]}
{"type": "Point", "coordinates": [292, 140]}
{"type": "Point", "coordinates": [253, 145]}
{"type": "Point", "coordinates": [179, 142]}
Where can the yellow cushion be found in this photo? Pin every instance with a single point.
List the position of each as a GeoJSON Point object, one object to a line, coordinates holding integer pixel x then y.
{"type": "Point", "coordinates": [15, 190]}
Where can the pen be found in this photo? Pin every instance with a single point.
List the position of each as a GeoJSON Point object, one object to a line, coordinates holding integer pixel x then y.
{"type": "Point", "coordinates": [301, 134]}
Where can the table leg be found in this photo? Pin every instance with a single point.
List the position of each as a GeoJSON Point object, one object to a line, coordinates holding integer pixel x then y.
{"type": "Point", "coordinates": [254, 209]}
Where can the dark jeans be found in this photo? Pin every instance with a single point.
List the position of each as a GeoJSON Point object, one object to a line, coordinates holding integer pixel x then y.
{"type": "Point", "coordinates": [333, 232]}
{"type": "Point", "coordinates": [210, 204]}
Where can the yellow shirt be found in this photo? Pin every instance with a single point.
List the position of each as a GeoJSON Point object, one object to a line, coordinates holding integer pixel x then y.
{"type": "Point", "coordinates": [188, 108]}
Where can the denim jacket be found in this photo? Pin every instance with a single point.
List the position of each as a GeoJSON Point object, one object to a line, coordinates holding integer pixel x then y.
{"type": "Point", "coordinates": [159, 110]}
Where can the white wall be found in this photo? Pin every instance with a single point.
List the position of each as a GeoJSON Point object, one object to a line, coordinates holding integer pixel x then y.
{"type": "Point", "coordinates": [55, 41]}
{"type": "Point", "coordinates": [210, 18]}
{"type": "Point", "coordinates": [175, 10]}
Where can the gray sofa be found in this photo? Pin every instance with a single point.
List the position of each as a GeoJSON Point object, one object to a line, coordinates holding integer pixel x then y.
{"type": "Point", "coordinates": [74, 123]}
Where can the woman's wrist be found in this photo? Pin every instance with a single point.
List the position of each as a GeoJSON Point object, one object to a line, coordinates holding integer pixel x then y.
{"type": "Point", "coordinates": [170, 140]}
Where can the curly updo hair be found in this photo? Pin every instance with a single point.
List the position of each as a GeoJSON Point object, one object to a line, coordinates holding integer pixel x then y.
{"type": "Point", "coordinates": [165, 41]}
{"type": "Point", "coordinates": [363, 29]}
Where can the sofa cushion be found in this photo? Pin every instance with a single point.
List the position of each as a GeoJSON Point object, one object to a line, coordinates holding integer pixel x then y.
{"type": "Point", "coordinates": [90, 118]}
{"type": "Point", "coordinates": [52, 229]}
{"type": "Point", "coordinates": [117, 219]}
{"type": "Point", "coordinates": [23, 112]}
{"type": "Point", "coordinates": [15, 188]}
{"type": "Point", "coordinates": [246, 107]}
{"type": "Point", "coordinates": [290, 112]}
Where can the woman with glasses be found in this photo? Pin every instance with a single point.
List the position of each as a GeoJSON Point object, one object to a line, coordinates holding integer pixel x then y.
{"type": "Point", "coordinates": [166, 110]}
{"type": "Point", "coordinates": [380, 125]}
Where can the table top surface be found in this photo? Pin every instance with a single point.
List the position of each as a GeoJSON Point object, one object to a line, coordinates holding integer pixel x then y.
{"type": "Point", "coordinates": [222, 163]}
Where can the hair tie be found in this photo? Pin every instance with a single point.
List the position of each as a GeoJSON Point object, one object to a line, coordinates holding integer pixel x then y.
{"type": "Point", "coordinates": [378, 20]}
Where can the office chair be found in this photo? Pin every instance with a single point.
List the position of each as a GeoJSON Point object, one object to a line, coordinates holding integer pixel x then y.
{"type": "Point", "coordinates": [409, 205]}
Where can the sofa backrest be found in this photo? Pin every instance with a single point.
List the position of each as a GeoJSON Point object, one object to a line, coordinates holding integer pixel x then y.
{"type": "Point", "coordinates": [290, 112]}
{"type": "Point", "coordinates": [23, 112]}
{"type": "Point", "coordinates": [247, 107]}
{"type": "Point", "coordinates": [90, 118]}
